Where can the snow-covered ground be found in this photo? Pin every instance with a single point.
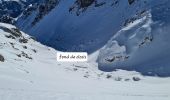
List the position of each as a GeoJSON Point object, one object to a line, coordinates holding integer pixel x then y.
{"type": "Point", "coordinates": [38, 76]}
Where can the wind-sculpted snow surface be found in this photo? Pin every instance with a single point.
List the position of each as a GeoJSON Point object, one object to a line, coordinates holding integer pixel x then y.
{"type": "Point", "coordinates": [145, 44]}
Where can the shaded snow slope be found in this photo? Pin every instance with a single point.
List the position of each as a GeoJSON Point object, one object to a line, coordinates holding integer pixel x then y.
{"type": "Point", "coordinates": [88, 31]}
{"type": "Point", "coordinates": [71, 28]}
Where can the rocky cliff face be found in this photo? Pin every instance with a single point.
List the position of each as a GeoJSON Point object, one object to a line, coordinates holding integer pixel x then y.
{"type": "Point", "coordinates": [10, 9]}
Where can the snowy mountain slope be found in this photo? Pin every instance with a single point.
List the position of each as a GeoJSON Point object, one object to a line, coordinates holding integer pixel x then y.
{"type": "Point", "coordinates": [65, 26]}
{"type": "Point", "coordinates": [94, 25]}
{"type": "Point", "coordinates": [132, 35]}
{"type": "Point", "coordinates": [30, 72]}
{"type": "Point", "coordinates": [21, 52]}
{"type": "Point", "coordinates": [24, 55]}
{"type": "Point", "coordinates": [143, 45]}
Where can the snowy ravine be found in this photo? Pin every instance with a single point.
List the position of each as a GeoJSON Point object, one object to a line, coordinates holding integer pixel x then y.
{"type": "Point", "coordinates": [128, 35]}
{"type": "Point", "coordinates": [30, 72]}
